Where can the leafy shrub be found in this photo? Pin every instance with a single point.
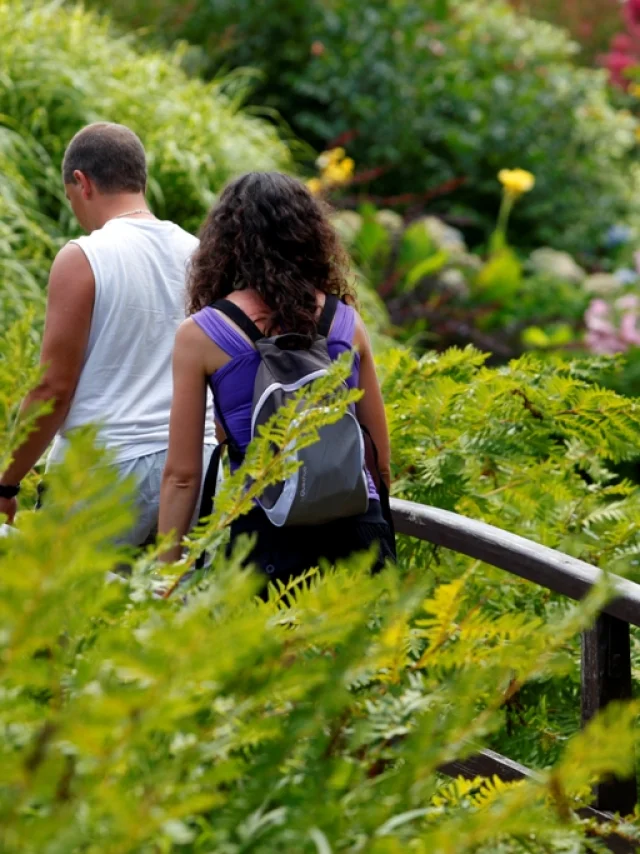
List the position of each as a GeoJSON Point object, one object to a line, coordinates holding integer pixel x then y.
{"type": "Point", "coordinates": [28, 238]}
{"type": "Point", "coordinates": [196, 134]}
{"type": "Point", "coordinates": [528, 447]}
{"type": "Point", "coordinates": [439, 294]}
{"type": "Point", "coordinates": [590, 22]}
{"type": "Point", "coordinates": [534, 447]}
{"type": "Point", "coordinates": [443, 90]}
{"type": "Point", "coordinates": [315, 721]}
{"type": "Point", "coordinates": [623, 57]}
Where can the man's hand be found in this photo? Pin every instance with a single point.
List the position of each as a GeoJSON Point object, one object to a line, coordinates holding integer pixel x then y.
{"type": "Point", "coordinates": [8, 508]}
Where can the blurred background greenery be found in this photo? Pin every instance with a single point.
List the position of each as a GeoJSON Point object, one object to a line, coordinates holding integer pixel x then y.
{"type": "Point", "coordinates": [423, 103]}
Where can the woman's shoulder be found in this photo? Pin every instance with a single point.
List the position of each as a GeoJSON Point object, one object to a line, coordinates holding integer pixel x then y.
{"type": "Point", "coordinates": [347, 324]}
{"type": "Point", "coordinates": [190, 331]}
{"type": "Point", "coordinates": [205, 320]}
{"type": "Point", "coordinates": [360, 334]}
{"type": "Point", "coordinates": [212, 332]}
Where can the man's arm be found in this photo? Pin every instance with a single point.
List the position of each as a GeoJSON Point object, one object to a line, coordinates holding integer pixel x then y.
{"type": "Point", "coordinates": [70, 301]}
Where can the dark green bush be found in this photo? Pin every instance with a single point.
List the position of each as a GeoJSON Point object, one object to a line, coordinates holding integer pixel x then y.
{"type": "Point", "coordinates": [430, 92]}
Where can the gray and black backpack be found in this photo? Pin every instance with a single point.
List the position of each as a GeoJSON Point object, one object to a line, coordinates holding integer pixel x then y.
{"type": "Point", "coordinates": [330, 482]}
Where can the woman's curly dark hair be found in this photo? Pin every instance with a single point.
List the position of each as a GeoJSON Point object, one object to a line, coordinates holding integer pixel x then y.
{"type": "Point", "coordinates": [267, 232]}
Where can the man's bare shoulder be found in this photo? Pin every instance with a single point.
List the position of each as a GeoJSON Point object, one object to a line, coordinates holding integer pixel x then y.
{"type": "Point", "coordinates": [71, 268]}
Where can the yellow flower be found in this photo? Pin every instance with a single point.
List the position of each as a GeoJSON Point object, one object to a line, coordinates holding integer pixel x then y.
{"type": "Point", "coordinates": [339, 172]}
{"type": "Point", "coordinates": [328, 158]}
{"type": "Point", "coordinates": [634, 90]}
{"type": "Point", "coordinates": [516, 181]}
{"type": "Point", "coordinates": [637, 132]}
{"type": "Point", "coordinates": [314, 185]}
{"type": "Point", "coordinates": [335, 169]}
{"type": "Point", "coordinates": [333, 174]}
{"type": "Point", "coordinates": [348, 166]}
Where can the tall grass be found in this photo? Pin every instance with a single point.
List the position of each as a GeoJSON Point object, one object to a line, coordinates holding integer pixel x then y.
{"type": "Point", "coordinates": [61, 69]}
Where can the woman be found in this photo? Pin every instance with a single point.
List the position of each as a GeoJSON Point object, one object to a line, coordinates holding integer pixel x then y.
{"type": "Point", "coordinates": [267, 247]}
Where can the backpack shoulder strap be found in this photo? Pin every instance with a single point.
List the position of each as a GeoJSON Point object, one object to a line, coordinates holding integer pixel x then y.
{"type": "Point", "coordinates": [237, 315]}
{"type": "Point", "coordinates": [209, 488]}
{"type": "Point", "coordinates": [383, 492]}
{"type": "Point", "coordinates": [328, 313]}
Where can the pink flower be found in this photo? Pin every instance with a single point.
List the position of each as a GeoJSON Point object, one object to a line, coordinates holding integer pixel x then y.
{"type": "Point", "coordinates": [617, 64]}
{"type": "Point", "coordinates": [622, 43]}
{"type": "Point", "coordinates": [629, 334]}
{"type": "Point", "coordinates": [603, 345]}
{"type": "Point", "coordinates": [598, 310]}
{"type": "Point", "coordinates": [602, 335]}
{"type": "Point", "coordinates": [631, 14]}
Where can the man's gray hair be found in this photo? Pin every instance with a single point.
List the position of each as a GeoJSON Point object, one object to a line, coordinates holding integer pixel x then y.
{"type": "Point", "coordinates": [111, 155]}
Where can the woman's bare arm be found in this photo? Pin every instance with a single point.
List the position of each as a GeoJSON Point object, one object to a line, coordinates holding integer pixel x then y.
{"type": "Point", "coordinates": [370, 409]}
{"type": "Point", "coordinates": [183, 470]}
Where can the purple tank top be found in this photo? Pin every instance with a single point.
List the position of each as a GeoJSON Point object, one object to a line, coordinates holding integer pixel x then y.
{"type": "Point", "coordinates": [232, 385]}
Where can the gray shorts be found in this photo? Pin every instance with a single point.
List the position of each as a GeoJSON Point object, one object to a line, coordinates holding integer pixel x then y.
{"type": "Point", "coordinates": [148, 473]}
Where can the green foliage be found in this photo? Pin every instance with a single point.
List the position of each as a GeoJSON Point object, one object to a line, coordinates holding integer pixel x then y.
{"type": "Point", "coordinates": [62, 70]}
{"type": "Point", "coordinates": [28, 239]}
{"type": "Point", "coordinates": [528, 447]}
{"type": "Point", "coordinates": [439, 294]}
{"type": "Point", "coordinates": [535, 448]}
{"type": "Point", "coordinates": [465, 88]}
{"type": "Point", "coordinates": [625, 378]}
{"type": "Point", "coordinates": [315, 720]}
{"type": "Point", "coordinates": [17, 377]}
{"type": "Point", "coordinates": [131, 723]}
{"type": "Point", "coordinates": [501, 277]}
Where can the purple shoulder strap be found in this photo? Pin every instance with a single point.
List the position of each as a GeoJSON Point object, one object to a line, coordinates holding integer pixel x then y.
{"type": "Point", "coordinates": [221, 333]}
{"type": "Point", "coordinates": [229, 339]}
{"type": "Point", "coordinates": [344, 324]}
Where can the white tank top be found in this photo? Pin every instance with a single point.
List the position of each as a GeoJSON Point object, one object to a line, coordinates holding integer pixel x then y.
{"type": "Point", "coordinates": [125, 387]}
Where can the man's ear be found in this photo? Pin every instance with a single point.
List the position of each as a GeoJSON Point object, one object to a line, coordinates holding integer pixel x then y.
{"type": "Point", "coordinates": [85, 184]}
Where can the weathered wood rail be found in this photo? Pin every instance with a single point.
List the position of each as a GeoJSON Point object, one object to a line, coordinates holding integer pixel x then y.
{"type": "Point", "coordinates": [606, 651]}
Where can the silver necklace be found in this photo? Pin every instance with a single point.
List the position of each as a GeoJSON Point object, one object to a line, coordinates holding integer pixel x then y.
{"type": "Point", "coordinates": [132, 213]}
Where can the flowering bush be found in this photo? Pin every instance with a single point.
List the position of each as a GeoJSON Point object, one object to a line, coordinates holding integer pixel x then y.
{"type": "Point", "coordinates": [431, 98]}
{"type": "Point", "coordinates": [613, 327]}
{"type": "Point", "coordinates": [438, 293]}
{"type": "Point", "coordinates": [590, 22]}
{"type": "Point", "coordinates": [624, 53]}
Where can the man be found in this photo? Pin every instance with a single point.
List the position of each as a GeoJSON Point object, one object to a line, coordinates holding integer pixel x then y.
{"type": "Point", "coordinates": [115, 300]}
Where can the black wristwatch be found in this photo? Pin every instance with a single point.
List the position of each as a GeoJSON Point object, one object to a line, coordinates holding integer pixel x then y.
{"type": "Point", "coordinates": [9, 491]}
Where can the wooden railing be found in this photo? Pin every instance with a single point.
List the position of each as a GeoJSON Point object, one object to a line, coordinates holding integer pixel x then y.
{"type": "Point", "coordinates": [606, 650]}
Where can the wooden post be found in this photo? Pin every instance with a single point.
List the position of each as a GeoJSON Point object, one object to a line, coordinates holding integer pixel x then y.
{"type": "Point", "coordinates": [606, 676]}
